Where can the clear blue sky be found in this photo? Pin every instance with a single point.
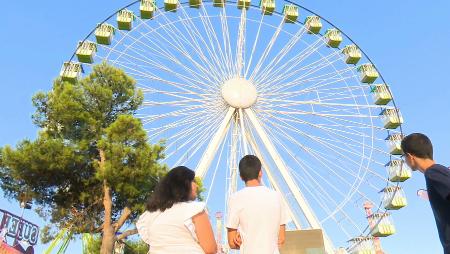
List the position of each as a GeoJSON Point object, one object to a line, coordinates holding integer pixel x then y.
{"type": "Point", "coordinates": [407, 40]}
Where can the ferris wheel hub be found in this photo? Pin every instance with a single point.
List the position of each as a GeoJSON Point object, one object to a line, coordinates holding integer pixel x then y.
{"type": "Point", "coordinates": [239, 93]}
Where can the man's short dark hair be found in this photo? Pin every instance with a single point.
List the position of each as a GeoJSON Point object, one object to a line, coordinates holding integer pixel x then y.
{"type": "Point", "coordinates": [418, 145]}
{"type": "Point", "coordinates": [249, 167]}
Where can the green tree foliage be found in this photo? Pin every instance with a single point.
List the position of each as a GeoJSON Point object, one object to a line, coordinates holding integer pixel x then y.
{"type": "Point", "coordinates": [130, 246]}
{"type": "Point", "coordinates": [90, 168]}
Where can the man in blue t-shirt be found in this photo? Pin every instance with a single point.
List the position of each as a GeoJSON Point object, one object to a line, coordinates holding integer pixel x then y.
{"type": "Point", "coordinates": [418, 155]}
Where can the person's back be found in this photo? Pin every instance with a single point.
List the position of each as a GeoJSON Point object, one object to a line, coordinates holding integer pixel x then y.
{"type": "Point", "coordinates": [173, 222]}
{"type": "Point", "coordinates": [418, 153]}
{"type": "Point", "coordinates": [437, 178]}
{"type": "Point", "coordinates": [171, 231]}
{"type": "Point", "coordinates": [259, 216]}
{"type": "Point", "coordinates": [257, 212]}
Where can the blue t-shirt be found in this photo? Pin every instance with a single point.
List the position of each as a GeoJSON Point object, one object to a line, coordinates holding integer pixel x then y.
{"type": "Point", "coordinates": [438, 185]}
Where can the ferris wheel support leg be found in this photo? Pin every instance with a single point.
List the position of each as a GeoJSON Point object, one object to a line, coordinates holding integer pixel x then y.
{"type": "Point", "coordinates": [293, 187]}
{"type": "Point", "coordinates": [211, 150]}
{"type": "Point", "coordinates": [233, 158]}
{"type": "Point", "coordinates": [244, 137]}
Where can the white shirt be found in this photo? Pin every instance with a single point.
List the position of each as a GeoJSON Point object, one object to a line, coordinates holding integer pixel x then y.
{"type": "Point", "coordinates": [258, 212]}
{"type": "Point", "coordinates": [171, 231]}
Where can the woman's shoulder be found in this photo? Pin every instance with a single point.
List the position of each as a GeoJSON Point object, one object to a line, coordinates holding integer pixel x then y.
{"type": "Point", "coordinates": [191, 208]}
{"type": "Point", "coordinates": [143, 224]}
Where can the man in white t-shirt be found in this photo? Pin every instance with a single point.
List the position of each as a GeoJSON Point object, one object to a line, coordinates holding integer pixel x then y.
{"type": "Point", "coordinates": [257, 211]}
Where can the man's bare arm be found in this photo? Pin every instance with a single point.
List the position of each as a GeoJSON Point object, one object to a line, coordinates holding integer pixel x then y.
{"type": "Point", "coordinates": [234, 239]}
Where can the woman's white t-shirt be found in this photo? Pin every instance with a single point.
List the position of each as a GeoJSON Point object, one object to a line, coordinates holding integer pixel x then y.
{"type": "Point", "coordinates": [171, 231]}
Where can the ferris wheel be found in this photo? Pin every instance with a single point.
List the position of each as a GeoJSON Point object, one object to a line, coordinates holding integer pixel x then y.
{"type": "Point", "coordinates": [223, 79]}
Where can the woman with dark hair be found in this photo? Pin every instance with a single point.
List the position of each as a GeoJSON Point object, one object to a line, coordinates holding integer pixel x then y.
{"type": "Point", "coordinates": [174, 222]}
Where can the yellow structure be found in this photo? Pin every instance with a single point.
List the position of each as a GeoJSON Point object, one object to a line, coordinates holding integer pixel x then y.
{"type": "Point", "coordinates": [394, 141]}
{"type": "Point", "coordinates": [383, 225]}
{"type": "Point", "coordinates": [368, 73]}
{"type": "Point", "coordinates": [86, 51]}
{"type": "Point", "coordinates": [362, 245]}
{"type": "Point", "coordinates": [333, 37]}
{"type": "Point", "coordinates": [219, 3]}
{"type": "Point", "coordinates": [290, 12]}
{"type": "Point", "coordinates": [352, 54]}
{"type": "Point", "coordinates": [391, 117]}
{"type": "Point", "coordinates": [267, 6]}
{"type": "Point", "coordinates": [244, 4]}
{"type": "Point", "coordinates": [195, 3]}
{"type": "Point", "coordinates": [71, 71]}
{"type": "Point", "coordinates": [313, 24]}
{"type": "Point", "coordinates": [104, 33]}
{"type": "Point", "coordinates": [170, 5]}
{"type": "Point", "coordinates": [394, 198]}
{"type": "Point", "coordinates": [381, 94]}
{"type": "Point", "coordinates": [147, 9]}
{"type": "Point", "coordinates": [125, 19]}
{"type": "Point", "coordinates": [398, 171]}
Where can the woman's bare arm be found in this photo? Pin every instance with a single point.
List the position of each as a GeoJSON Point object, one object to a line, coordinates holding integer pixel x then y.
{"type": "Point", "coordinates": [205, 234]}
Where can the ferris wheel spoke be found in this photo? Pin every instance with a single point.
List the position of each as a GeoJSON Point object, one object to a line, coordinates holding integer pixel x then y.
{"type": "Point", "coordinates": [148, 90]}
{"type": "Point", "coordinates": [316, 155]}
{"type": "Point", "coordinates": [340, 117]}
{"type": "Point", "coordinates": [226, 41]}
{"type": "Point", "coordinates": [290, 64]}
{"type": "Point", "coordinates": [341, 222]}
{"type": "Point", "coordinates": [276, 84]}
{"type": "Point", "coordinates": [181, 112]}
{"type": "Point", "coordinates": [344, 202]}
{"type": "Point", "coordinates": [332, 77]}
{"type": "Point", "coordinates": [318, 186]}
{"type": "Point", "coordinates": [255, 42]}
{"type": "Point", "coordinates": [288, 103]}
{"type": "Point", "coordinates": [197, 118]}
{"type": "Point", "coordinates": [269, 69]}
{"type": "Point", "coordinates": [328, 117]}
{"type": "Point", "coordinates": [214, 41]}
{"type": "Point", "coordinates": [197, 138]}
{"type": "Point", "coordinates": [223, 61]}
{"type": "Point", "coordinates": [267, 50]}
{"type": "Point", "coordinates": [178, 35]}
{"type": "Point", "coordinates": [323, 89]}
{"type": "Point", "coordinates": [189, 83]}
{"type": "Point", "coordinates": [164, 52]}
{"type": "Point", "coordinates": [203, 72]}
{"type": "Point", "coordinates": [174, 103]}
{"type": "Point", "coordinates": [330, 147]}
{"type": "Point", "coordinates": [240, 45]}
{"type": "Point", "coordinates": [145, 73]}
{"type": "Point", "coordinates": [219, 60]}
{"type": "Point", "coordinates": [335, 132]}
{"type": "Point", "coordinates": [328, 127]}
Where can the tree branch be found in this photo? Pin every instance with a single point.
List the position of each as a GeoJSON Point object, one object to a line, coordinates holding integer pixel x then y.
{"type": "Point", "coordinates": [123, 217]}
{"type": "Point", "coordinates": [126, 234]}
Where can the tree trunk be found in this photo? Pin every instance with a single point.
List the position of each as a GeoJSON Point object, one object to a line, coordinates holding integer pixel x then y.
{"type": "Point", "coordinates": [108, 238]}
